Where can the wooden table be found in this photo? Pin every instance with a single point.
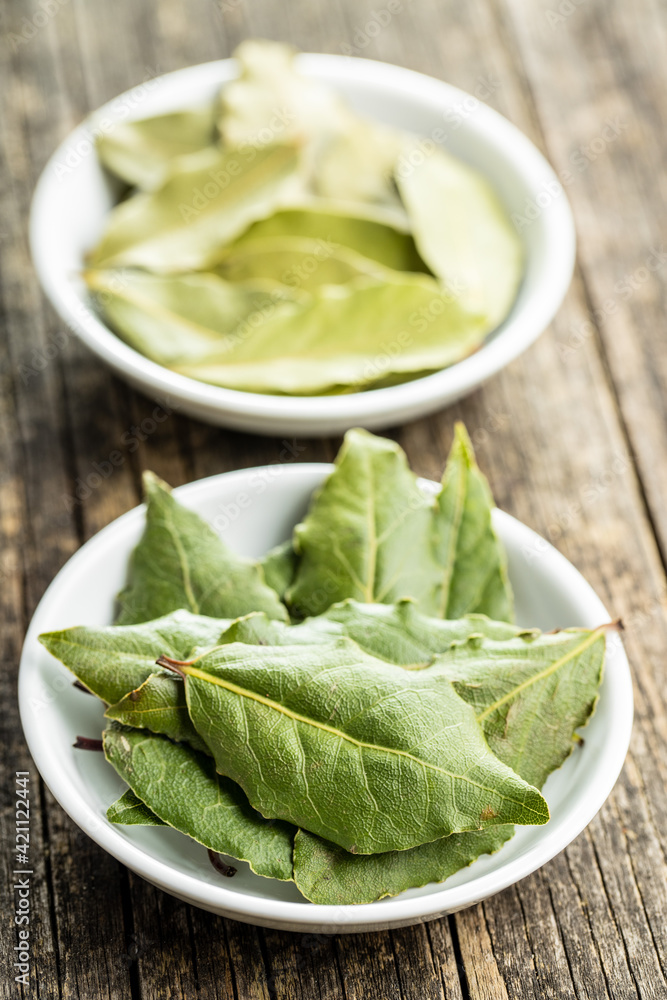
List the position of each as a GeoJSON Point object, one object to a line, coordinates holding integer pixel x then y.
{"type": "Point", "coordinates": [573, 437]}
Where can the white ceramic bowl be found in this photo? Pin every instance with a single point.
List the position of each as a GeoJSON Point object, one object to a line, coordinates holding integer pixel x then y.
{"type": "Point", "coordinates": [549, 593]}
{"type": "Point", "coordinates": [74, 195]}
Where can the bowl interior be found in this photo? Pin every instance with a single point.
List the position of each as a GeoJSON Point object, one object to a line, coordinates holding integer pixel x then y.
{"type": "Point", "coordinates": [253, 510]}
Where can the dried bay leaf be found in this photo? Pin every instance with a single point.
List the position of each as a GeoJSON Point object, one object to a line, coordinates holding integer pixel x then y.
{"type": "Point", "coordinates": [140, 152]}
{"type": "Point", "coordinates": [297, 262]}
{"type": "Point", "coordinates": [463, 233]}
{"type": "Point", "coordinates": [182, 788]}
{"type": "Point", "coordinates": [347, 336]}
{"type": "Point", "coordinates": [373, 535]}
{"type": "Point", "coordinates": [347, 157]}
{"type": "Point", "coordinates": [181, 562]}
{"type": "Point", "coordinates": [366, 534]}
{"type": "Point", "coordinates": [328, 875]}
{"type": "Point", "coordinates": [524, 693]}
{"type": "Point", "coordinates": [473, 560]}
{"type": "Point", "coordinates": [129, 810]}
{"type": "Point", "coordinates": [184, 317]}
{"type": "Point", "coordinates": [111, 661]}
{"type": "Point", "coordinates": [357, 750]}
{"type": "Point", "coordinates": [363, 229]}
{"type": "Point", "coordinates": [205, 201]}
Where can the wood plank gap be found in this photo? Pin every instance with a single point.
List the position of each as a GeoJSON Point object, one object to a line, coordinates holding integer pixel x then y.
{"type": "Point", "coordinates": [232, 968]}
{"type": "Point", "coordinates": [641, 899]}
{"type": "Point", "coordinates": [339, 969]}
{"type": "Point", "coordinates": [53, 922]}
{"type": "Point", "coordinates": [619, 931]}
{"type": "Point", "coordinates": [620, 416]}
{"type": "Point", "coordinates": [458, 957]}
{"type": "Point", "coordinates": [193, 951]}
{"type": "Point", "coordinates": [130, 933]}
{"type": "Point", "coordinates": [69, 450]}
{"type": "Point", "coordinates": [564, 946]}
{"type": "Point", "coordinates": [270, 979]}
{"type": "Point", "coordinates": [396, 963]}
{"type": "Point", "coordinates": [587, 915]}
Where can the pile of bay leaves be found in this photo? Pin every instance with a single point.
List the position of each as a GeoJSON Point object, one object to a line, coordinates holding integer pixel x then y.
{"type": "Point", "coordinates": [357, 712]}
{"type": "Point", "coordinates": [274, 241]}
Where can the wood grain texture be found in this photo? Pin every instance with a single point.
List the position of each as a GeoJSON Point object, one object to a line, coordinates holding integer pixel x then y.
{"type": "Point", "coordinates": [573, 437]}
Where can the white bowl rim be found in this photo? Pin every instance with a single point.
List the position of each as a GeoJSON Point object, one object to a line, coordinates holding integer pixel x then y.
{"type": "Point", "coordinates": [516, 334]}
{"type": "Point", "coordinates": [391, 912]}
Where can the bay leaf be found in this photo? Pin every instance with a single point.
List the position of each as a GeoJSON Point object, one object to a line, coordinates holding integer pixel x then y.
{"type": "Point", "coordinates": [206, 199]}
{"type": "Point", "coordinates": [361, 228]}
{"type": "Point", "coordinates": [347, 157]}
{"type": "Point", "coordinates": [328, 875]}
{"type": "Point", "coordinates": [395, 633]}
{"type": "Point", "coordinates": [367, 533]}
{"type": "Point", "coordinates": [347, 336]}
{"type": "Point", "coordinates": [473, 560]}
{"type": "Point", "coordinates": [298, 262]}
{"type": "Point", "coordinates": [182, 788]}
{"type": "Point", "coordinates": [183, 317]}
{"type": "Point", "coordinates": [529, 699]}
{"type": "Point", "coordinates": [129, 810]}
{"type": "Point", "coordinates": [113, 660]}
{"type": "Point", "coordinates": [140, 152]}
{"type": "Point", "coordinates": [357, 750]}
{"type": "Point", "coordinates": [463, 233]}
{"type": "Point", "coordinates": [530, 696]}
{"type": "Point", "coordinates": [373, 535]}
{"type": "Point", "coordinates": [158, 705]}
{"type": "Point", "coordinates": [279, 565]}
{"type": "Point", "coordinates": [181, 562]}
{"type": "Point", "coordinates": [401, 634]}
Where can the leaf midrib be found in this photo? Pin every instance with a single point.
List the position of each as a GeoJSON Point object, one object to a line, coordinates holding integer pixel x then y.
{"type": "Point", "coordinates": [297, 717]}
{"type": "Point", "coordinates": [551, 669]}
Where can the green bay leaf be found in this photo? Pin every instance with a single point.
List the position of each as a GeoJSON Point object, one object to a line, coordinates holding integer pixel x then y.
{"type": "Point", "coordinates": [366, 534]}
{"type": "Point", "coordinates": [158, 705]}
{"type": "Point", "coordinates": [360, 751]}
{"type": "Point", "coordinates": [181, 562]}
{"type": "Point", "coordinates": [373, 535]}
{"type": "Point", "coordinates": [463, 233]}
{"type": "Point", "coordinates": [205, 200]}
{"type": "Point", "coordinates": [183, 318]}
{"type": "Point", "coordinates": [361, 228]}
{"type": "Point", "coordinates": [129, 810]}
{"type": "Point", "coordinates": [347, 337]}
{"type": "Point", "coordinates": [279, 565]}
{"type": "Point", "coordinates": [113, 660]}
{"type": "Point", "coordinates": [182, 788]}
{"type": "Point", "coordinates": [473, 560]}
{"type": "Point", "coordinates": [401, 634]}
{"type": "Point", "coordinates": [141, 152]}
{"type": "Point", "coordinates": [530, 694]}
{"type": "Point", "coordinates": [530, 697]}
{"type": "Point", "coordinates": [330, 876]}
